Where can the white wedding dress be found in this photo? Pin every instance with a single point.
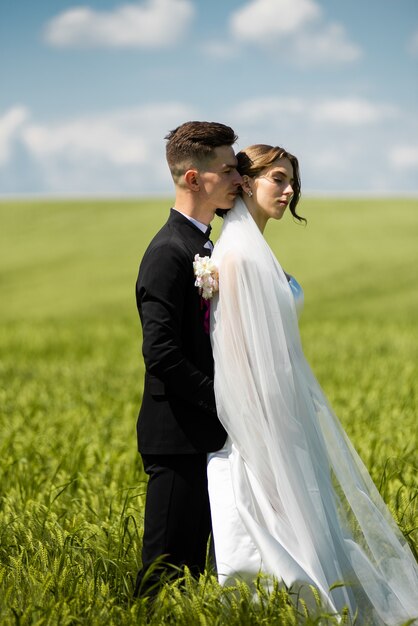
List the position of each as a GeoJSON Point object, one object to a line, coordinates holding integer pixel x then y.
{"type": "Point", "coordinates": [289, 495]}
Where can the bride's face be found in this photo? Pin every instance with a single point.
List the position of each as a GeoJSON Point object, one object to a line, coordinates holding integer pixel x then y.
{"type": "Point", "coordinates": [272, 190]}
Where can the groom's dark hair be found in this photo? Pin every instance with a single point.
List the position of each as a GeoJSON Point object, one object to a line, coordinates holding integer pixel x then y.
{"type": "Point", "coordinates": [192, 145]}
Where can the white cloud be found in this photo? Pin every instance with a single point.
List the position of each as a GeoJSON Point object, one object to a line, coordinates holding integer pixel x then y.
{"type": "Point", "coordinates": [294, 29]}
{"type": "Point", "coordinates": [351, 111]}
{"type": "Point", "coordinates": [340, 143]}
{"type": "Point", "coordinates": [119, 138]}
{"type": "Point", "coordinates": [268, 19]}
{"type": "Point", "coordinates": [328, 160]}
{"type": "Point", "coordinates": [256, 109]}
{"type": "Point", "coordinates": [10, 124]}
{"type": "Point", "coordinates": [101, 138]}
{"type": "Point", "coordinates": [147, 24]}
{"type": "Point", "coordinates": [118, 151]}
{"type": "Point", "coordinates": [404, 157]}
{"type": "Point", "coordinates": [337, 111]}
{"type": "Point", "coordinates": [220, 49]}
{"type": "Point", "coordinates": [329, 45]}
{"type": "Point", "coordinates": [413, 44]}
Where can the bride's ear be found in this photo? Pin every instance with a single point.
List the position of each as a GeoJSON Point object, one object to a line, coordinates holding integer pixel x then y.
{"type": "Point", "coordinates": [246, 186]}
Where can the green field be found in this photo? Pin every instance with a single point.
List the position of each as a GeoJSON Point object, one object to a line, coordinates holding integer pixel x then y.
{"type": "Point", "coordinates": [71, 482]}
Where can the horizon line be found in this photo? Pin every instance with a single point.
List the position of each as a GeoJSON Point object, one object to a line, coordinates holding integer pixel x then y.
{"type": "Point", "coordinates": [163, 195]}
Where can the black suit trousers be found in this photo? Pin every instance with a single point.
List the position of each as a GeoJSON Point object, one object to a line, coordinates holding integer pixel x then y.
{"type": "Point", "coordinates": [177, 515]}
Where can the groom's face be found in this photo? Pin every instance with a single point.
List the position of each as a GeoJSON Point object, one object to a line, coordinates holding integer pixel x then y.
{"type": "Point", "coordinates": [219, 178]}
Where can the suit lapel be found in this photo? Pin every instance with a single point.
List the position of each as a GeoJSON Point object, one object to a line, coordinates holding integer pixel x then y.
{"type": "Point", "coordinates": [189, 232]}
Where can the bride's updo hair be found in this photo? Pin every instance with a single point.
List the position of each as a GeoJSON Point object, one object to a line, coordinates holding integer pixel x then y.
{"type": "Point", "coordinates": [255, 159]}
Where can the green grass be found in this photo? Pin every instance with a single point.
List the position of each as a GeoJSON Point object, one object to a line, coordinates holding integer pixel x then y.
{"type": "Point", "coordinates": [71, 482]}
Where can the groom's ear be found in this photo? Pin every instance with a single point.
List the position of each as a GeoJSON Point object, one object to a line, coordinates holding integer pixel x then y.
{"type": "Point", "coordinates": [191, 180]}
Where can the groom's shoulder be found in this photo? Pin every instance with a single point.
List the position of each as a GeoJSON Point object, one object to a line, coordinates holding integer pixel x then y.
{"type": "Point", "coordinates": [166, 261]}
{"type": "Point", "coordinates": [169, 241]}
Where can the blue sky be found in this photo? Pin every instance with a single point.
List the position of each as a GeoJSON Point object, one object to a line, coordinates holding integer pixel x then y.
{"type": "Point", "coordinates": [89, 89]}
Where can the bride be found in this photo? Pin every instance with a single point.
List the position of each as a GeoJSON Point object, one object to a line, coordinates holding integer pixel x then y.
{"type": "Point", "coordinates": [289, 495]}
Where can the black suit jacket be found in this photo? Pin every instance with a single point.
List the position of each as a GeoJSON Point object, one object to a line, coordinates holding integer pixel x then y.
{"type": "Point", "coordinates": [178, 412]}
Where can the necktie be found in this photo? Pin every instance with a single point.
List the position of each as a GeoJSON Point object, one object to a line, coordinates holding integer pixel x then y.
{"type": "Point", "coordinates": [207, 234]}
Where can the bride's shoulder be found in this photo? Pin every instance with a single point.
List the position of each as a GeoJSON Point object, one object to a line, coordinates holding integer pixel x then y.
{"type": "Point", "coordinates": [229, 257]}
{"type": "Point", "coordinates": [237, 261]}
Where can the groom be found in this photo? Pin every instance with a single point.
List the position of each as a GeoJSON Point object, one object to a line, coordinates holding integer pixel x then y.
{"type": "Point", "coordinates": [177, 423]}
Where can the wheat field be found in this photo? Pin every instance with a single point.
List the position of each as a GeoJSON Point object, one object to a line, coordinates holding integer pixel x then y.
{"type": "Point", "coordinates": [71, 482]}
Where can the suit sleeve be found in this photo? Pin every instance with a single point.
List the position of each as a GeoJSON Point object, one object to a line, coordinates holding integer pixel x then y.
{"type": "Point", "coordinates": [161, 289]}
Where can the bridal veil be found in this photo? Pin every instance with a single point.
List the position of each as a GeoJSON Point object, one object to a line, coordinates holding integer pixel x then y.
{"type": "Point", "coordinates": [302, 492]}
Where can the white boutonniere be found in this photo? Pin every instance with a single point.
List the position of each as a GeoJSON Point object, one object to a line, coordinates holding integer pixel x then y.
{"type": "Point", "coordinates": [207, 277]}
